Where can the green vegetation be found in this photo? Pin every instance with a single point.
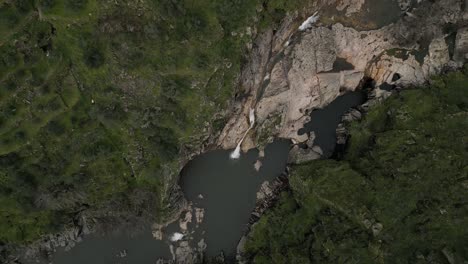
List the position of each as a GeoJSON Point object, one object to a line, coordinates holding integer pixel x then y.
{"type": "Point", "coordinates": [99, 99]}
{"type": "Point", "coordinates": [398, 196]}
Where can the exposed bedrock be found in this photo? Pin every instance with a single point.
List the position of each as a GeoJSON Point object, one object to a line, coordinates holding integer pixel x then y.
{"type": "Point", "coordinates": [291, 73]}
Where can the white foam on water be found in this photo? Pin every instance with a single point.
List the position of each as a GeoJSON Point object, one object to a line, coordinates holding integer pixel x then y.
{"type": "Point", "coordinates": [237, 152]}
{"type": "Point", "coordinates": [176, 237]}
{"type": "Point", "coordinates": [309, 21]}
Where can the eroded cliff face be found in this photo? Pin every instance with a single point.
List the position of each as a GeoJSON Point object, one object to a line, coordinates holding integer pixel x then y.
{"type": "Point", "coordinates": [290, 72]}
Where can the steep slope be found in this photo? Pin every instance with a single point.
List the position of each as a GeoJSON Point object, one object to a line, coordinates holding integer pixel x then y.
{"type": "Point", "coordinates": [397, 196]}
{"type": "Point", "coordinates": [103, 102]}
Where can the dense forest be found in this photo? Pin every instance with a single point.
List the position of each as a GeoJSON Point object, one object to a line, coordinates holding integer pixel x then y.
{"type": "Point", "coordinates": [100, 99]}
{"type": "Point", "coordinates": [398, 194]}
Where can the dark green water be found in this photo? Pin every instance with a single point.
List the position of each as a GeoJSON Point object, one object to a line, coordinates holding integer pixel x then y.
{"type": "Point", "coordinates": [141, 248]}
{"type": "Point", "coordinates": [229, 189]}
{"type": "Point", "coordinates": [341, 64]}
{"type": "Point", "coordinates": [325, 121]}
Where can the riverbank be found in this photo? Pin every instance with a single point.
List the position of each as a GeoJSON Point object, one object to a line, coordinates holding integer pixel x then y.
{"type": "Point", "coordinates": [396, 194]}
{"type": "Point", "coordinates": [290, 73]}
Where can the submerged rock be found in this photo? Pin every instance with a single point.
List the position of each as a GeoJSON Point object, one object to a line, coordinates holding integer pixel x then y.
{"type": "Point", "coordinates": [376, 229]}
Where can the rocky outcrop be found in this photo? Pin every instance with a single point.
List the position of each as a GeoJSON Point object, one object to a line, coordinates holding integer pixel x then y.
{"type": "Point", "coordinates": [374, 96]}
{"type": "Point", "coordinates": [48, 244]}
{"type": "Point", "coordinates": [266, 198]}
{"type": "Point", "coordinates": [305, 153]}
{"type": "Point", "coordinates": [295, 72]}
{"type": "Point", "coordinates": [299, 155]}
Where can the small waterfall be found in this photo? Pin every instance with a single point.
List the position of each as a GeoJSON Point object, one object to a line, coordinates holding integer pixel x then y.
{"type": "Point", "coordinates": [176, 237]}
{"type": "Point", "coordinates": [309, 22]}
{"type": "Point", "coordinates": [252, 118]}
{"type": "Point", "coordinates": [237, 152]}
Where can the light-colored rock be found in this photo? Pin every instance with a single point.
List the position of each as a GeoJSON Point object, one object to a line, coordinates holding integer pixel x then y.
{"type": "Point", "coordinates": [264, 191]}
{"type": "Point", "coordinates": [317, 150]}
{"type": "Point", "coordinates": [461, 46]}
{"type": "Point", "coordinates": [261, 153]}
{"type": "Point", "coordinates": [278, 80]}
{"type": "Point", "coordinates": [377, 229]}
{"type": "Point", "coordinates": [199, 215]}
{"type": "Point", "coordinates": [410, 70]}
{"type": "Point", "coordinates": [361, 47]}
{"type": "Point", "coordinates": [351, 115]}
{"type": "Point", "coordinates": [438, 57]}
{"type": "Point", "coordinates": [300, 79]}
{"type": "Point", "coordinates": [350, 6]}
{"type": "Point", "coordinates": [157, 234]}
{"type": "Point", "coordinates": [299, 155]}
{"type": "Point", "coordinates": [185, 220]}
{"type": "Point", "coordinates": [295, 77]}
{"type": "Point", "coordinates": [251, 77]}
{"type": "Point", "coordinates": [157, 231]}
{"type": "Point", "coordinates": [257, 165]}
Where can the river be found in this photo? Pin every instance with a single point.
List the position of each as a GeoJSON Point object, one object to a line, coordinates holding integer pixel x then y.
{"type": "Point", "coordinates": [224, 188]}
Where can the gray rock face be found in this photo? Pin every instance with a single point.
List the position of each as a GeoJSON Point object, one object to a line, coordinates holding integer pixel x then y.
{"type": "Point", "coordinates": [66, 239]}
{"type": "Point", "coordinates": [294, 77]}
{"type": "Point", "coordinates": [461, 46]}
{"type": "Point", "coordinates": [314, 53]}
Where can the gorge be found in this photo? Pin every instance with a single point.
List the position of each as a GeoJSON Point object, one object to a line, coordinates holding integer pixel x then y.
{"type": "Point", "coordinates": [208, 168]}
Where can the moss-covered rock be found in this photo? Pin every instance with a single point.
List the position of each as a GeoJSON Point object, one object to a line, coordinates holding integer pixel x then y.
{"type": "Point", "coordinates": [398, 195]}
